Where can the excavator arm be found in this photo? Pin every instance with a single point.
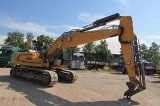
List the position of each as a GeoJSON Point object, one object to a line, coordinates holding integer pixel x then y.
{"type": "Point", "coordinates": [127, 39]}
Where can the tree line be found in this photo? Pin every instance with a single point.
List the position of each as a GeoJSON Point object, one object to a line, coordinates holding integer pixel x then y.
{"type": "Point", "coordinates": [91, 50]}
{"type": "Point", "coordinates": [18, 39]}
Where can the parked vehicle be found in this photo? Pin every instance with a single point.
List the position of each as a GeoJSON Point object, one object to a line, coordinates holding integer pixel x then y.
{"type": "Point", "coordinates": [148, 67]}
{"type": "Point", "coordinates": [77, 61]}
{"type": "Point", "coordinates": [6, 53]}
{"type": "Point", "coordinates": [94, 61]}
{"type": "Point", "coordinates": [157, 69]}
{"type": "Point", "coordinates": [95, 64]}
{"type": "Point", "coordinates": [114, 63]}
{"type": "Point", "coordinates": [121, 65]}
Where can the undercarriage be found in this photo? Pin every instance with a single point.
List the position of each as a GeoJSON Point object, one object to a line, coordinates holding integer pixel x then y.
{"type": "Point", "coordinates": [43, 76]}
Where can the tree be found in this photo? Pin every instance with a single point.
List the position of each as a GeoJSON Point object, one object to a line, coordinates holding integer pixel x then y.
{"type": "Point", "coordinates": [144, 50]}
{"type": "Point", "coordinates": [89, 49]}
{"type": "Point", "coordinates": [25, 46]}
{"type": "Point", "coordinates": [75, 49]}
{"type": "Point", "coordinates": [15, 39]}
{"type": "Point", "coordinates": [154, 53]}
{"type": "Point", "coordinates": [104, 54]}
{"type": "Point", "coordinates": [44, 41]}
{"type": "Point", "coordinates": [29, 38]}
{"type": "Point", "coordinates": [151, 54]}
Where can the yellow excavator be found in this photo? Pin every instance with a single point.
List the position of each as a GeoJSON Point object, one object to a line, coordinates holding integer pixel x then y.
{"type": "Point", "coordinates": [45, 67]}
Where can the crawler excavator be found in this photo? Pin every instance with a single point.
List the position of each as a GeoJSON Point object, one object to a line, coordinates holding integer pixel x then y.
{"type": "Point", "coordinates": [44, 67]}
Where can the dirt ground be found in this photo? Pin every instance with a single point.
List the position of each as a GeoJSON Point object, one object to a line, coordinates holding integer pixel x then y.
{"type": "Point", "coordinates": [91, 89]}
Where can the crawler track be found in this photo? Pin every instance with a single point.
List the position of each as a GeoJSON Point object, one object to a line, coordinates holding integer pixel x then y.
{"type": "Point", "coordinates": [36, 75]}
{"type": "Point", "coordinates": [42, 76]}
{"type": "Point", "coordinates": [66, 75]}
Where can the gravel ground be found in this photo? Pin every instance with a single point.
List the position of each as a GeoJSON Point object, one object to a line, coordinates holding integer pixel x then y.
{"type": "Point", "coordinates": [93, 88]}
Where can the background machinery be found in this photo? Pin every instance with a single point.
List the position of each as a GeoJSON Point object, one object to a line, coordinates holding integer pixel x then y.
{"type": "Point", "coordinates": [148, 67]}
{"type": "Point", "coordinates": [6, 53]}
{"type": "Point", "coordinates": [45, 68]}
{"type": "Point", "coordinates": [77, 61]}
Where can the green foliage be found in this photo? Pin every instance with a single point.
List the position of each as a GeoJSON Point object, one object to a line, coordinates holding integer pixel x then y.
{"type": "Point", "coordinates": [15, 39]}
{"type": "Point", "coordinates": [75, 49]}
{"type": "Point", "coordinates": [98, 52]}
{"type": "Point", "coordinates": [25, 46]}
{"type": "Point", "coordinates": [44, 41]}
{"type": "Point", "coordinates": [29, 38]}
{"type": "Point", "coordinates": [89, 49]}
{"type": "Point", "coordinates": [67, 54]}
{"type": "Point", "coordinates": [151, 54]}
{"type": "Point", "coordinates": [144, 50]}
{"type": "Point", "coordinates": [103, 52]}
{"type": "Point", "coordinates": [154, 53]}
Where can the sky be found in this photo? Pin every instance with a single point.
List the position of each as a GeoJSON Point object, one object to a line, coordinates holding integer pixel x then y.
{"type": "Point", "coordinates": [53, 17]}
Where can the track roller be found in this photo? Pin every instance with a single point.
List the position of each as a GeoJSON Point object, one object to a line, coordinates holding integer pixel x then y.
{"type": "Point", "coordinates": [41, 76]}
{"type": "Point", "coordinates": [66, 75]}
